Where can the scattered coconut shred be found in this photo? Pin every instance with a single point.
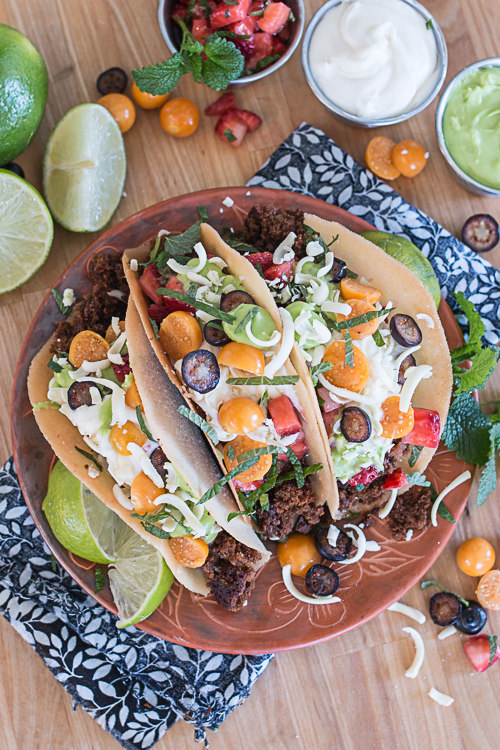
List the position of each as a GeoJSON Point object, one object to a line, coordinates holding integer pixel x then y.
{"type": "Point", "coordinates": [414, 669]}
{"type": "Point", "coordinates": [441, 698]}
{"type": "Point", "coordinates": [404, 609]}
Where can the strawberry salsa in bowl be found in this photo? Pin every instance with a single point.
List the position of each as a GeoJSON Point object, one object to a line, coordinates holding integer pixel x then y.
{"type": "Point", "coordinates": [269, 31]}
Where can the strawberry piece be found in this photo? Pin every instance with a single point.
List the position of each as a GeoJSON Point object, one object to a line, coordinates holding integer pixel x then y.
{"type": "Point", "coordinates": [482, 651]}
{"type": "Point", "coordinates": [150, 281]}
{"type": "Point", "coordinates": [224, 15]}
{"type": "Point", "coordinates": [285, 32]}
{"type": "Point", "coordinates": [284, 416]}
{"type": "Point", "coordinates": [245, 27]}
{"type": "Point", "coordinates": [200, 29]}
{"type": "Point", "coordinates": [275, 17]}
{"type": "Point", "coordinates": [122, 370]}
{"type": "Point", "coordinates": [158, 313]}
{"type": "Point", "coordinates": [172, 304]}
{"type": "Point", "coordinates": [426, 428]}
{"type": "Point", "coordinates": [263, 48]}
{"type": "Point", "coordinates": [299, 448]}
{"type": "Point", "coordinates": [223, 104]}
{"type": "Point", "coordinates": [283, 271]}
{"type": "Point", "coordinates": [231, 129]}
{"type": "Point", "coordinates": [395, 480]}
{"type": "Point", "coordinates": [365, 476]}
{"type": "Point", "coordinates": [279, 47]}
{"type": "Point", "coordinates": [180, 11]}
{"type": "Point", "coordinates": [329, 419]}
{"type": "Point", "coordinates": [247, 486]}
{"type": "Point", "coordinates": [265, 259]}
{"type": "Point", "coordinates": [251, 120]}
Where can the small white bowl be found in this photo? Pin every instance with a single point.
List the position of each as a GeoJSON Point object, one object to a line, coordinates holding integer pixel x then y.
{"type": "Point", "coordinates": [360, 122]}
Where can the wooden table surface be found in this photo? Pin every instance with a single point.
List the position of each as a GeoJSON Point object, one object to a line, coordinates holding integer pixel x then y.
{"type": "Point", "coordinates": [350, 693]}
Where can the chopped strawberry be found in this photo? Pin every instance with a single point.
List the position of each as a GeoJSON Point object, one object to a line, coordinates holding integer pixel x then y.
{"type": "Point", "coordinates": [395, 480]}
{"type": "Point", "coordinates": [179, 11]}
{"type": "Point", "coordinates": [221, 105]}
{"type": "Point", "coordinates": [244, 27]}
{"type": "Point", "coordinates": [365, 476]}
{"type": "Point", "coordinates": [426, 428]}
{"type": "Point", "coordinates": [299, 448]}
{"type": "Point", "coordinates": [257, 5]}
{"type": "Point", "coordinates": [265, 259]}
{"type": "Point", "coordinates": [284, 416]}
{"type": "Point", "coordinates": [328, 403]}
{"type": "Point", "coordinates": [224, 15]}
{"type": "Point", "coordinates": [482, 651]}
{"type": "Point", "coordinates": [279, 47]}
{"type": "Point", "coordinates": [150, 281]}
{"type": "Point", "coordinates": [251, 120]}
{"type": "Point", "coordinates": [158, 313]}
{"type": "Point", "coordinates": [200, 29]}
{"type": "Point", "coordinates": [263, 47]}
{"type": "Point", "coordinates": [247, 486]}
{"type": "Point", "coordinates": [282, 271]}
{"type": "Point", "coordinates": [122, 370]}
{"type": "Point", "coordinates": [285, 33]}
{"type": "Point", "coordinates": [329, 419]}
{"type": "Point", "coordinates": [231, 129]}
{"type": "Point", "coordinates": [275, 17]}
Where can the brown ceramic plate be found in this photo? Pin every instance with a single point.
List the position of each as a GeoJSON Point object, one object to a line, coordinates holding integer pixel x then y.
{"type": "Point", "coordinates": [273, 619]}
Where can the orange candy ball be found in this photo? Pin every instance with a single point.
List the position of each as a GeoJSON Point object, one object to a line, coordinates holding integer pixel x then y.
{"type": "Point", "coordinates": [409, 157]}
{"type": "Point", "coordinates": [147, 101]}
{"type": "Point", "coordinates": [298, 551]}
{"type": "Point", "coordinates": [179, 117]}
{"type": "Point", "coordinates": [475, 557]}
{"type": "Point", "coordinates": [121, 107]}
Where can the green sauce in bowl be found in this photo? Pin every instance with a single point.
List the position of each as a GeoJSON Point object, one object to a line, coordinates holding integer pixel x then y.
{"type": "Point", "coordinates": [471, 125]}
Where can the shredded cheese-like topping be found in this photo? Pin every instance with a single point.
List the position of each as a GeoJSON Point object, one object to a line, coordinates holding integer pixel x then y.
{"type": "Point", "coordinates": [336, 307]}
{"type": "Point", "coordinates": [259, 342]}
{"type": "Point", "coordinates": [333, 534]}
{"type": "Point", "coordinates": [184, 508]}
{"type": "Point", "coordinates": [463, 477]}
{"type": "Point", "coordinates": [361, 545]}
{"type": "Point", "coordinates": [441, 698]}
{"type": "Point", "coordinates": [413, 670]}
{"type": "Point", "coordinates": [446, 632]}
{"type": "Point", "coordinates": [410, 385]}
{"type": "Point", "coordinates": [287, 340]}
{"type": "Point", "coordinates": [114, 350]}
{"type": "Point", "coordinates": [389, 505]}
{"type": "Point", "coordinates": [404, 609]}
{"type": "Point", "coordinates": [134, 266]}
{"type": "Point", "coordinates": [202, 256]}
{"type": "Point", "coordinates": [426, 318]}
{"type": "Point", "coordinates": [284, 250]}
{"type": "Point", "coordinates": [286, 572]}
{"type": "Point", "coordinates": [121, 497]}
{"type": "Point", "coordinates": [329, 258]}
{"type": "Point", "coordinates": [95, 395]}
{"type": "Point", "coordinates": [145, 464]}
{"type": "Point", "coordinates": [118, 406]}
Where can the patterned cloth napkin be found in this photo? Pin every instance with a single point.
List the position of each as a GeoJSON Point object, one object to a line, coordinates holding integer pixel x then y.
{"type": "Point", "coordinates": [135, 685]}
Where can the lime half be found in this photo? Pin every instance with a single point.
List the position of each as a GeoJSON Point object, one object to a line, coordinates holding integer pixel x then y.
{"type": "Point", "coordinates": [139, 580]}
{"type": "Point", "coordinates": [79, 520]}
{"type": "Point", "coordinates": [410, 256]}
{"type": "Point", "coordinates": [26, 231]}
{"type": "Point", "coordinates": [84, 168]}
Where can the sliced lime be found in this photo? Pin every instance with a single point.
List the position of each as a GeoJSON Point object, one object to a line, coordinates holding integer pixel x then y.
{"type": "Point", "coordinates": [139, 580]}
{"type": "Point", "coordinates": [79, 520]}
{"type": "Point", "coordinates": [26, 231]}
{"type": "Point", "coordinates": [84, 168]}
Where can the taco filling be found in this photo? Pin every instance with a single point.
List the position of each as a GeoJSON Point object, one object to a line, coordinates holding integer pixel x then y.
{"type": "Point", "coordinates": [361, 354]}
{"type": "Point", "coordinates": [232, 365]}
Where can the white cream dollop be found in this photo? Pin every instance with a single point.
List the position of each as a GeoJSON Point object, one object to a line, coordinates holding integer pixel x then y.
{"type": "Point", "coordinates": [374, 58]}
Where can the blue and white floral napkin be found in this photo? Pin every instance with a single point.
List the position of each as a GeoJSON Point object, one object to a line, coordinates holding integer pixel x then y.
{"type": "Point", "coordinates": [309, 162]}
{"type": "Point", "coordinates": [136, 686]}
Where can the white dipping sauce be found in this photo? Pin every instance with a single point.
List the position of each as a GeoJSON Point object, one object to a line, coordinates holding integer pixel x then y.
{"type": "Point", "coordinates": [374, 58]}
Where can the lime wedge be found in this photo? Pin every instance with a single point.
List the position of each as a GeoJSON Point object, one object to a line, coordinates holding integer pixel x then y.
{"type": "Point", "coordinates": [26, 231]}
{"type": "Point", "coordinates": [79, 520]}
{"type": "Point", "coordinates": [139, 580]}
{"type": "Point", "coordinates": [84, 168]}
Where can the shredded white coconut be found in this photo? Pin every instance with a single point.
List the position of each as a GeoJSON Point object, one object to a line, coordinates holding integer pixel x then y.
{"type": "Point", "coordinates": [404, 609]}
{"type": "Point", "coordinates": [228, 202]}
{"type": "Point", "coordinates": [134, 266]}
{"type": "Point", "coordinates": [413, 670]}
{"type": "Point", "coordinates": [287, 580]}
{"type": "Point", "coordinates": [426, 318]}
{"type": "Point", "coordinates": [333, 534]}
{"type": "Point", "coordinates": [446, 632]}
{"type": "Point", "coordinates": [389, 505]}
{"type": "Point", "coordinates": [459, 480]}
{"type": "Point", "coordinates": [409, 535]}
{"type": "Point", "coordinates": [360, 543]}
{"type": "Point", "coordinates": [93, 472]}
{"type": "Point", "coordinates": [68, 297]}
{"type": "Point", "coordinates": [121, 497]}
{"type": "Point", "coordinates": [441, 698]}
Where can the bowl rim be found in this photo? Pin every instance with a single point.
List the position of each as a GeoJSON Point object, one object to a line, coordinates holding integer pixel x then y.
{"type": "Point", "coordinates": [488, 62]}
{"type": "Point", "coordinates": [442, 53]}
{"type": "Point", "coordinates": [255, 76]}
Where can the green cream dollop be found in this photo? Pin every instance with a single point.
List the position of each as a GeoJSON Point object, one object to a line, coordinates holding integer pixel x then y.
{"type": "Point", "coordinates": [262, 326]}
{"type": "Point", "coordinates": [471, 125]}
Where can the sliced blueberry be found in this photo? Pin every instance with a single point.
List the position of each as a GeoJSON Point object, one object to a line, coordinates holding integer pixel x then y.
{"type": "Point", "coordinates": [407, 362]}
{"type": "Point", "coordinates": [472, 619]}
{"type": "Point", "coordinates": [79, 394]}
{"type": "Point", "coordinates": [480, 233]}
{"type": "Point", "coordinates": [232, 300]}
{"type": "Point", "coordinates": [405, 331]}
{"type": "Point", "coordinates": [341, 550]}
{"type": "Point", "coordinates": [200, 371]}
{"type": "Point", "coordinates": [445, 609]}
{"type": "Point", "coordinates": [355, 424]}
{"type": "Point", "coordinates": [112, 81]}
{"type": "Point", "coordinates": [159, 459]}
{"type": "Point", "coordinates": [215, 335]}
{"type": "Point", "coordinates": [338, 271]}
{"type": "Point", "coordinates": [322, 581]}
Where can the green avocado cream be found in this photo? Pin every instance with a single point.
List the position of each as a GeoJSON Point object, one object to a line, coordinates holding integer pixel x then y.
{"type": "Point", "coordinates": [471, 125]}
{"type": "Point", "coordinates": [262, 325]}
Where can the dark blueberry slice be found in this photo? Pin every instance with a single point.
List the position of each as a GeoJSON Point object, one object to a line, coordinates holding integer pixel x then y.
{"type": "Point", "coordinates": [341, 550]}
{"type": "Point", "coordinates": [15, 168]}
{"type": "Point", "coordinates": [444, 609]}
{"type": "Point", "coordinates": [480, 233]}
{"type": "Point", "coordinates": [159, 459]}
{"type": "Point", "coordinates": [112, 81]}
{"type": "Point", "coordinates": [200, 371]}
{"type": "Point", "coordinates": [339, 271]}
{"type": "Point", "coordinates": [407, 362]}
{"type": "Point", "coordinates": [231, 300]}
{"type": "Point", "coordinates": [322, 581]}
{"type": "Point", "coordinates": [79, 394]}
{"type": "Point", "coordinates": [355, 424]}
{"type": "Point", "coordinates": [405, 330]}
{"type": "Point", "coordinates": [215, 336]}
{"type": "Point", "coordinates": [472, 619]}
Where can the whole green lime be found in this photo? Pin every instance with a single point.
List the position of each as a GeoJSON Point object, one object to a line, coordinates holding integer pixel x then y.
{"type": "Point", "coordinates": [23, 92]}
{"type": "Point", "coordinates": [410, 256]}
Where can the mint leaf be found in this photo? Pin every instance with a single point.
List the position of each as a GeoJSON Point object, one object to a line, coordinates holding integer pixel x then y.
{"type": "Point", "coordinates": [142, 423]}
{"type": "Point", "coordinates": [229, 135]}
{"type": "Point", "coordinates": [349, 351]}
{"type": "Point", "coordinates": [262, 380]}
{"type": "Point", "coordinates": [54, 366]}
{"type": "Point", "coordinates": [415, 455]}
{"type": "Point", "coordinates": [444, 512]}
{"type": "Point", "coordinates": [199, 422]}
{"type": "Point", "coordinates": [419, 479]}
{"type": "Point", "coordinates": [154, 326]}
{"type": "Point", "coordinates": [182, 244]}
{"type": "Point", "coordinates": [492, 640]}
{"type": "Point", "coordinates": [488, 480]}
{"type": "Point", "coordinates": [467, 430]}
{"type": "Point", "coordinates": [317, 369]}
{"type": "Point", "coordinates": [161, 78]}
{"type": "Point", "coordinates": [224, 64]}
{"type": "Point", "coordinates": [65, 309]}
{"type": "Point", "coordinates": [155, 530]}
{"type": "Point", "coordinates": [89, 456]}
{"type": "Point", "coordinates": [476, 325]}
{"type": "Point", "coordinates": [359, 319]}
{"type": "Point", "coordinates": [482, 366]}
{"type": "Point", "coordinates": [194, 63]}
{"type": "Point", "coordinates": [462, 353]}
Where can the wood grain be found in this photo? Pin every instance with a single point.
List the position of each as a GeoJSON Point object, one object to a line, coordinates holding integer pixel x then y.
{"type": "Point", "coordinates": [350, 693]}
